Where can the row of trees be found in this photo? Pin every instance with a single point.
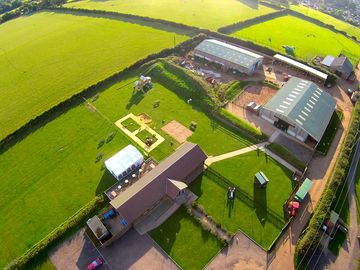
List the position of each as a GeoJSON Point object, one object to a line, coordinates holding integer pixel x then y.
{"type": "Point", "coordinates": [27, 7]}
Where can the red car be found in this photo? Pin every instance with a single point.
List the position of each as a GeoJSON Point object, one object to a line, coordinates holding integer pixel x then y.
{"type": "Point", "coordinates": [95, 264]}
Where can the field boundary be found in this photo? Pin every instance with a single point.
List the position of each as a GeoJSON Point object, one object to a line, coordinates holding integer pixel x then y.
{"type": "Point", "coordinates": [267, 17]}
{"type": "Point", "coordinates": [77, 98]}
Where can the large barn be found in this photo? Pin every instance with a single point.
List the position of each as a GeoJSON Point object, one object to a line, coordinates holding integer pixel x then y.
{"type": "Point", "coordinates": [229, 56]}
{"type": "Point", "coordinates": [301, 109]}
{"type": "Point", "coordinates": [169, 178]}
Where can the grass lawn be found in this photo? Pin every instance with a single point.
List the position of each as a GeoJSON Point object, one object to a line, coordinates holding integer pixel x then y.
{"type": "Point", "coordinates": [325, 18]}
{"type": "Point", "coordinates": [286, 155]}
{"type": "Point", "coordinates": [308, 39]}
{"type": "Point", "coordinates": [130, 124]}
{"type": "Point", "coordinates": [144, 134]}
{"type": "Point", "coordinates": [47, 57]}
{"type": "Point", "coordinates": [208, 14]}
{"type": "Point", "coordinates": [185, 241]}
{"type": "Point", "coordinates": [262, 218]}
{"type": "Point", "coordinates": [330, 132]}
{"type": "Point", "coordinates": [52, 172]}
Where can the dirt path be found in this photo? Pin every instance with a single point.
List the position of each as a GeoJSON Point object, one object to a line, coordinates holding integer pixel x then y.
{"type": "Point", "coordinates": [319, 171]}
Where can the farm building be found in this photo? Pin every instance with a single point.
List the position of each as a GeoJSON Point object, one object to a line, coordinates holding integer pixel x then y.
{"type": "Point", "coordinates": [309, 70]}
{"type": "Point", "coordinates": [301, 109]}
{"type": "Point", "coordinates": [124, 162]}
{"type": "Point", "coordinates": [229, 56]}
{"type": "Point", "coordinates": [169, 178]}
{"type": "Point", "coordinates": [341, 66]}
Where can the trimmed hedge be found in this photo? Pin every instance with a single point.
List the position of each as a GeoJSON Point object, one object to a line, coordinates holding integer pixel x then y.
{"type": "Point", "coordinates": [72, 224]}
{"type": "Point", "coordinates": [286, 155]}
{"type": "Point", "coordinates": [77, 98]}
{"type": "Point", "coordinates": [243, 125]}
{"type": "Point", "coordinates": [235, 89]}
{"type": "Point", "coordinates": [310, 236]}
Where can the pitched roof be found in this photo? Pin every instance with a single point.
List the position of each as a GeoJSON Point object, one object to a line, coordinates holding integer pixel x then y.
{"type": "Point", "coordinates": [228, 52]}
{"type": "Point", "coordinates": [304, 105]}
{"type": "Point", "coordinates": [185, 153]}
{"type": "Point", "coordinates": [343, 62]}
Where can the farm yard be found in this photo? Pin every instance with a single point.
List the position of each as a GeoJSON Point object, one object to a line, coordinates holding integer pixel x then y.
{"type": "Point", "coordinates": [259, 212]}
{"type": "Point", "coordinates": [325, 18]}
{"type": "Point", "coordinates": [47, 57]}
{"type": "Point", "coordinates": [66, 166]}
{"type": "Point", "coordinates": [186, 12]}
{"type": "Point", "coordinates": [308, 39]}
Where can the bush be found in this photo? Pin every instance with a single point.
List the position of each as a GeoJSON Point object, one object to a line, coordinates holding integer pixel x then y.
{"type": "Point", "coordinates": [40, 249]}
{"type": "Point", "coordinates": [310, 235]}
{"type": "Point", "coordinates": [286, 155]}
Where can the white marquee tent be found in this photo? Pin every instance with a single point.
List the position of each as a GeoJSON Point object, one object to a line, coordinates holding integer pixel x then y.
{"type": "Point", "coordinates": [124, 162]}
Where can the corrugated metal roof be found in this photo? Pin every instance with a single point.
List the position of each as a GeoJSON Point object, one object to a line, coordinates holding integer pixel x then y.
{"type": "Point", "coordinates": [303, 190]}
{"type": "Point", "coordinates": [343, 62]}
{"type": "Point", "coordinates": [301, 66]}
{"type": "Point", "coordinates": [228, 52]}
{"type": "Point", "coordinates": [305, 105]}
{"type": "Point", "coordinates": [188, 150]}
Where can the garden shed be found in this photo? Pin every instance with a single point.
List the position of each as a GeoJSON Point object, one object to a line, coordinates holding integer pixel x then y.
{"type": "Point", "coordinates": [261, 179]}
{"type": "Point", "coordinates": [303, 190]}
{"type": "Point", "coordinates": [124, 162]}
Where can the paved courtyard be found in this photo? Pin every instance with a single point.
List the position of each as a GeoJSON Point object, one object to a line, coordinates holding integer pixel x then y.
{"type": "Point", "coordinates": [132, 251]}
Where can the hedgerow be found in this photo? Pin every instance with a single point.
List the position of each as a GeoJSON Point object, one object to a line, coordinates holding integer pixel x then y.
{"type": "Point", "coordinates": [310, 236]}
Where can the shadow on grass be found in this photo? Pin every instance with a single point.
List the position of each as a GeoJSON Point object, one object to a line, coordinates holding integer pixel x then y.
{"type": "Point", "coordinates": [106, 181]}
{"type": "Point", "coordinates": [260, 203]}
{"type": "Point", "coordinates": [141, 20]}
{"type": "Point", "coordinates": [135, 99]}
{"type": "Point", "coordinates": [195, 186]}
{"type": "Point", "coordinates": [250, 3]}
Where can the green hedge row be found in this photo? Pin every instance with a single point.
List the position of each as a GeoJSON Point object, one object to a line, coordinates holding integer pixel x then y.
{"type": "Point", "coordinates": [310, 236]}
{"type": "Point", "coordinates": [243, 125]}
{"type": "Point", "coordinates": [40, 249]}
{"type": "Point", "coordinates": [77, 98]}
{"type": "Point", "coordinates": [235, 89]}
{"type": "Point", "coordinates": [286, 155]}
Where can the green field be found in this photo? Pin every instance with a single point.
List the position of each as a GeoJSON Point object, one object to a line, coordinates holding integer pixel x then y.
{"type": "Point", "coordinates": [185, 241]}
{"type": "Point", "coordinates": [308, 38]}
{"type": "Point", "coordinates": [208, 14]}
{"type": "Point", "coordinates": [51, 173]}
{"type": "Point", "coordinates": [261, 216]}
{"type": "Point", "coordinates": [325, 18]}
{"type": "Point", "coordinates": [47, 57]}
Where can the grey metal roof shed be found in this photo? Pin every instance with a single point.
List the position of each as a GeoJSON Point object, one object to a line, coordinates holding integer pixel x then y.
{"type": "Point", "coordinates": [228, 52]}
{"type": "Point", "coordinates": [303, 104]}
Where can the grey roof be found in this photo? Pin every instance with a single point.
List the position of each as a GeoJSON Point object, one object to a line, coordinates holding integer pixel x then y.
{"type": "Point", "coordinates": [188, 154]}
{"type": "Point", "coordinates": [228, 52]}
{"type": "Point", "coordinates": [328, 60]}
{"type": "Point", "coordinates": [303, 104]}
{"type": "Point", "coordinates": [97, 227]}
{"type": "Point", "coordinates": [343, 62]}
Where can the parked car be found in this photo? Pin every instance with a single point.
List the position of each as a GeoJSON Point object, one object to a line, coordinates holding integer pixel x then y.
{"type": "Point", "coordinates": [95, 264]}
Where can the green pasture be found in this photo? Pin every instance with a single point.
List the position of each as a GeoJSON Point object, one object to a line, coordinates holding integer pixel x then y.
{"type": "Point", "coordinates": [325, 18]}
{"type": "Point", "coordinates": [208, 14]}
{"type": "Point", "coordinates": [47, 57]}
{"type": "Point", "coordinates": [52, 172]}
{"type": "Point", "coordinates": [261, 215]}
{"type": "Point", "coordinates": [174, 236]}
{"type": "Point", "coordinates": [308, 39]}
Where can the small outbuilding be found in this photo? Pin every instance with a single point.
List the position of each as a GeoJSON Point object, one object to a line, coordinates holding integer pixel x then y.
{"type": "Point", "coordinates": [98, 228]}
{"type": "Point", "coordinates": [124, 162]}
{"type": "Point", "coordinates": [303, 190]}
{"type": "Point", "coordinates": [341, 66]}
{"type": "Point", "coordinates": [229, 56]}
{"type": "Point", "coordinates": [261, 179]}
